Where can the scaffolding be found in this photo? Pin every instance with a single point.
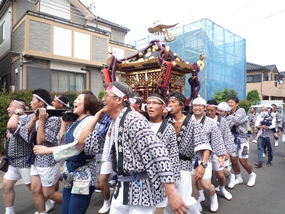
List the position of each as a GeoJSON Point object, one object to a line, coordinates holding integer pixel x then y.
{"type": "Point", "coordinates": [224, 52]}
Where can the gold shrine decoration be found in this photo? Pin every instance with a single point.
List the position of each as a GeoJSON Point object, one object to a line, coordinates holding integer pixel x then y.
{"type": "Point", "coordinates": [140, 81]}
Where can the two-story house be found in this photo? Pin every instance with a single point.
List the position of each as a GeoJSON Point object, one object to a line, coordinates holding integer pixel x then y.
{"type": "Point", "coordinates": [267, 80]}
{"type": "Point", "coordinates": [59, 45]}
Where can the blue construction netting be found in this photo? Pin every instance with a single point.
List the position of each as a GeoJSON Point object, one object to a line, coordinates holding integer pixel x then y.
{"type": "Point", "coordinates": [225, 52]}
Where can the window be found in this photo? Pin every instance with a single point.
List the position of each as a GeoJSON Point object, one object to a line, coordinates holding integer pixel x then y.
{"type": "Point", "coordinates": [2, 32]}
{"type": "Point", "coordinates": [265, 77]}
{"type": "Point", "coordinates": [254, 78]}
{"type": "Point", "coordinates": [63, 81]}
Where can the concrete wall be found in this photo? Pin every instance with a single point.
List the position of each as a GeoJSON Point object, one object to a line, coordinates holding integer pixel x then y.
{"type": "Point", "coordinates": [99, 49]}
{"type": "Point", "coordinates": [40, 36]}
{"type": "Point", "coordinates": [96, 83]}
{"type": "Point", "coordinates": [18, 38]}
{"type": "Point", "coordinates": [117, 36]}
{"type": "Point", "coordinates": [22, 7]}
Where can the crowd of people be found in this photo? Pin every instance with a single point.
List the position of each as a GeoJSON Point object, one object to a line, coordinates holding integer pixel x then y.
{"type": "Point", "coordinates": [163, 159]}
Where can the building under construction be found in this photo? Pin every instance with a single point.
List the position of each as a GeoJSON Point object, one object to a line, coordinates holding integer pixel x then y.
{"type": "Point", "coordinates": [224, 52]}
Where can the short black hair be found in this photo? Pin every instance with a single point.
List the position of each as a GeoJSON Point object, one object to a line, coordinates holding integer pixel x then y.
{"type": "Point", "coordinates": [157, 95]}
{"type": "Point", "coordinates": [178, 95]}
{"type": "Point", "coordinates": [212, 102]}
{"type": "Point", "coordinates": [234, 98]}
{"type": "Point", "coordinates": [273, 104]}
{"type": "Point", "coordinates": [63, 97]}
{"type": "Point", "coordinates": [44, 94]}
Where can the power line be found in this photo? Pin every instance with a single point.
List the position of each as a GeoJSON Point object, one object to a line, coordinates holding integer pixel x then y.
{"type": "Point", "coordinates": [263, 18]}
{"type": "Point", "coordinates": [237, 11]}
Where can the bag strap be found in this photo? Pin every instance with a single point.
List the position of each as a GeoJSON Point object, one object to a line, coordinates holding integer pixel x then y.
{"type": "Point", "coordinates": [162, 126]}
{"type": "Point", "coordinates": [7, 143]}
{"type": "Point", "coordinates": [181, 132]}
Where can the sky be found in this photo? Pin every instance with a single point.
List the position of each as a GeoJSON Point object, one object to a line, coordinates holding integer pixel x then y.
{"type": "Point", "coordinates": [260, 22]}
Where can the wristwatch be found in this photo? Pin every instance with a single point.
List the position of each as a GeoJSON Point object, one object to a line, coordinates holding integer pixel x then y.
{"type": "Point", "coordinates": [205, 165]}
{"type": "Point", "coordinates": [17, 113]}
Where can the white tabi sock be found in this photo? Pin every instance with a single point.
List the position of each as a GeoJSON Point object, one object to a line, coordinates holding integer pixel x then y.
{"type": "Point", "coordinates": [10, 210]}
{"type": "Point", "coordinates": [239, 177]}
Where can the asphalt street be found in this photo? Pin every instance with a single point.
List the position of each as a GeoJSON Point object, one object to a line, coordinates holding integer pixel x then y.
{"type": "Point", "coordinates": [266, 197]}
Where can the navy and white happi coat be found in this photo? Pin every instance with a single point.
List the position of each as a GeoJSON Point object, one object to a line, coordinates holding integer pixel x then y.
{"type": "Point", "coordinates": [240, 121]}
{"type": "Point", "coordinates": [168, 138]}
{"type": "Point", "coordinates": [18, 150]}
{"type": "Point", "coordinates": [226, 135]}
{"type": "Point", "coordinates": [143, 152]}
{"type": "Point", "coordinates": [185, 141]}
{"type": "Point", "coordinates": [51, 127]}
{"type": "Point", "coordinates": [208, 136]}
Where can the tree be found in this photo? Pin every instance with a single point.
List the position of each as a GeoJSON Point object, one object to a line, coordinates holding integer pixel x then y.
{"type": "Point", "coordinates": [223, 95]}
{"type": "Point", "coordinates": [253, 96]}
{"type": "Point", "coordinates": [245, 104]}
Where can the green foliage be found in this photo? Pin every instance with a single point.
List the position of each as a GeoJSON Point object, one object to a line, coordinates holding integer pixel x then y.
{"type": "Point", "coordinates": [5, 100]}
{"type": "Point", "coordinates": [253, 95]}
{"type": "Point", "coordinates": [101, 95]}
{"type": "Point", "coordinates": [22, 94]}
{"type": "Point", "coordinates": [245, 104]}
{"type": "Point", "coordinates": [223, 95]}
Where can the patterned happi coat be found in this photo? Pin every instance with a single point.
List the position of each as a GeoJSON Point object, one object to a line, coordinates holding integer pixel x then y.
{"type": "Point", "coordinates": [208, 137]}
{"type": "Point", "coordinates": [52, 126]}
{"type": "Point", "coordinates": [18, 150]}
{"type": "Point", "coordinates": [226, 134]}
{"type": "Point", "coordinates": [168, 138]}
{"type": "Point", "coordinates": [185, 141]}
{"type": "Point", "coordinates": [240, 122]}
{"type": "Point", "coordinates": [142, 152]}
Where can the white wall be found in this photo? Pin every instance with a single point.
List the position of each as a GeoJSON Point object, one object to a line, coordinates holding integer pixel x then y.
{"type": "Point", "coordinates": [6, 44]}
{"type": "Point", "coordinates": [119, 53]}
{"type": "Point", "coordinates": [62, 41]}
{"type": "Point", "coordinates": [59, 8]}
{"type": "Point", "coordinates": [81, 46]}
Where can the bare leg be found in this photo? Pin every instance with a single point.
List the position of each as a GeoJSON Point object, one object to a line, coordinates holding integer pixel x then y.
{"type": "Point", "coordinates": [38, 196]}
{"type": "Point", "coordinates": [8, 192]}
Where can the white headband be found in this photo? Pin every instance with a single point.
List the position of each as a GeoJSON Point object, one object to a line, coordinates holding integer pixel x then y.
{"type": "Point", "coordinates": [37, 96]}
{"type": "Point", "coordinates": [66, 104]}
{"type": "Point", "coordinates": [177, 99]}
{"type": "Point", "coordinates": [200, 101]}
{"type": "Point", "coordinates": [117, 92]}
{"type": "Point", "coordinates": [224, 106]}
{"type": "Point", "coordinates": [21, 104]}
{"type": "Point", "coordinates": [212, 105]}
{"type": "Point", "coordinates": [154, 97]}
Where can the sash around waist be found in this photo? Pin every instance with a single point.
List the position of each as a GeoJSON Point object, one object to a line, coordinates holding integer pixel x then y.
{"type": "Point", "coordinates": [128, 178]}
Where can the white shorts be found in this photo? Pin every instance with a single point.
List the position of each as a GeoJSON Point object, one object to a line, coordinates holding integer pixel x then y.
{"type": "Point", "coordinates": [162, 204]}
{"type": "Point", "coordinates": [227, 163]}
{"type": "Point", "coordinates": [117, 206]}
{"type": "Point", "coordinates": [49, 175]}
{"type": "Point", "coordinates": [15, 174]}
{"type": "Point", "coordinates": [215, 163]}
{"type": "Point", "coordinates": [106, 168]}
{"type": "Point", "coordinates": [238, 152]}
{"type": "Point", "coordinates": [208, 170]}
{"type": "Point", "coordinates": [184, 188]}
